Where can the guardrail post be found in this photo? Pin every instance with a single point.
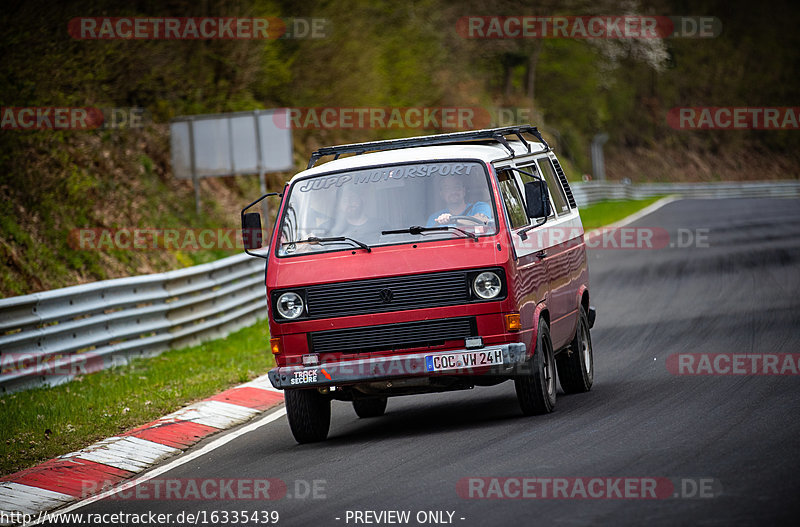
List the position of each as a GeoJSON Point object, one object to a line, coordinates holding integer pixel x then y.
{"type": "Point", "coordinates": [598, 162]}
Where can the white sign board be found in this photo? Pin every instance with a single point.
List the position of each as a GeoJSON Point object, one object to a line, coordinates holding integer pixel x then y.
{"type": "Point", "coordinates": [229, 144]}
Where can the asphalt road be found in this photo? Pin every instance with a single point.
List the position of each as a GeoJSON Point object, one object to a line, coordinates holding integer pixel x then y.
{"type": "Point", "coordinates": [736, 293]}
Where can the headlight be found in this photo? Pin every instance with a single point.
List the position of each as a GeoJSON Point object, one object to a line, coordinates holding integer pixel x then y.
{"type": "Point", "coordinates": [487, 285]}
{"type": "Point", "coordinates": [290, 305]}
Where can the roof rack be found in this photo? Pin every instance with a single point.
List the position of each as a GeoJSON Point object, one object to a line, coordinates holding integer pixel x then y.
{"type": "Point", "coordinates": [493, 134]}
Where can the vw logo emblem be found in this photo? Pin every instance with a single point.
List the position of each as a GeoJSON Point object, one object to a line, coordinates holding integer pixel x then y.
{"type": "Point", "coordinates": [386, 295]}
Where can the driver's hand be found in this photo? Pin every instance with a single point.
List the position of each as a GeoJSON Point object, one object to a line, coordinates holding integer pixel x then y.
{"type": "Point", "coordinates": [483, 217]}
{"type": "Point", "coordinates": [443, 218]}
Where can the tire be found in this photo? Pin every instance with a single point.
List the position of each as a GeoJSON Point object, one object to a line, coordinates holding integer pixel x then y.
{"type": "Point", "coordinates": [576, 364]}
{"type": "Point", "coordinates": [536, 390]}
{"type": "Point", "coordinates": [370, 407]}
{"type": "Point", "coordinates": [309, 414]}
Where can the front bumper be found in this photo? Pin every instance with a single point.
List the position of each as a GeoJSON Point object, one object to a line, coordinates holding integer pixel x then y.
{"type": "Point", "coordinates": [514, 356]}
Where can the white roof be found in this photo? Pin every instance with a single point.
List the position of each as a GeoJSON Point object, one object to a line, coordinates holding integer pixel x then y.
{"type": "Point", "coordinates": [487, 153]}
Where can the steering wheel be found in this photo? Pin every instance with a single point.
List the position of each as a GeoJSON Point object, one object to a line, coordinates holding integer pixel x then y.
{"type": "Point", "coordinates": [472, 219]}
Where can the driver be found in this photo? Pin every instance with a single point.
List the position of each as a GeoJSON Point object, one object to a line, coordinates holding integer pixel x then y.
{"type": "Point", "coordinates": [454, 195]}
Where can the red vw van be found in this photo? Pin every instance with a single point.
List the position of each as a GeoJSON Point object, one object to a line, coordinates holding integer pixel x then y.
{"type": "Point", "coordinates": [423, 265]}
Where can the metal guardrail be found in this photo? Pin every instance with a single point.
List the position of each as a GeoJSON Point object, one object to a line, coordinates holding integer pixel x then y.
{"type": "Point", "coordinates": [50, 337]}
{"type": "Point", "coordinates": [594, 191]}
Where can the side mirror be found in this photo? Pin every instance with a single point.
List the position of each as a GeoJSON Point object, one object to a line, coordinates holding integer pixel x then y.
{"type": "Point", "coordinates": [251, 230]}
{"type": "Point", "coordinates": [251, 227]}
{"type": "Point", "coordinates": [537, 199]}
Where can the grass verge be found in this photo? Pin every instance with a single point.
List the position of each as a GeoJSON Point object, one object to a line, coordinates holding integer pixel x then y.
{"type": "Point", "coordinates": [43, 423]}
{"type": "Point", "coordinates": [607, 212]}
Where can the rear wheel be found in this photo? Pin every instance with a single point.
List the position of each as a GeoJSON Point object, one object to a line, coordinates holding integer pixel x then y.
{"type": "Point", "coordinates": [309, 414]}
{"type": "Point", "coordinates": [536, 390]}
{"type": "Point", "coordinates": [576, 364]}
{"type": "Point", "coordinates": [370, 407]}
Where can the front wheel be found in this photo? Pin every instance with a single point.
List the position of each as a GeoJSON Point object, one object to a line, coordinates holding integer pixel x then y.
{"type": "Point", "coordinates": [576, 364]}
{"type": "Point", "coordinates": [536, 390]}
{"type": "Point", "coordinates": [309, 414]}
{"type": "Point", "coordinates": [370, 407]}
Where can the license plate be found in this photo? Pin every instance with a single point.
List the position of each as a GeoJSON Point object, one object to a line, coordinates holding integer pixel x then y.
{"type": "Point", "coordinates": [463, 359]}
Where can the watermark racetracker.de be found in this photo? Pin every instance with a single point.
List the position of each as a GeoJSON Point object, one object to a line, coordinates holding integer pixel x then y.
{"type": "Point", "coordinates": [24, 118]}
{"type": "Point", "coordinates": [587, 488]}
{"type": "Point", "coordinates": [587, 27]}
{"type": "Point", "coordinates": [197, 28]}
{"type": "Point", "coordinates": [394, 118]}
{"type": "Point", "coordinates": [210, 489]}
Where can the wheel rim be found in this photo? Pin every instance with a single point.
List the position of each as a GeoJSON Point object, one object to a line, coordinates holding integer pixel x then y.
{"type": "Point", "coordinates": [586, 350]}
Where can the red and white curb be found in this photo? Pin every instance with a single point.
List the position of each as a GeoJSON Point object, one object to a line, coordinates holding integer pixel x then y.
{"type": "Point", "coordinates": [70, 477]}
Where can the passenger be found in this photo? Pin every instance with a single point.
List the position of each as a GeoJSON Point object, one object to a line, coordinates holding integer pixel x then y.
{"type": "Point", "coordinates": [354, 222]}
{"type": "Point", "coordinates": [353, 209]}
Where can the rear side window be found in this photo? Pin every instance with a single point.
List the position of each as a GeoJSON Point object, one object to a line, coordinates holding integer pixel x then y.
{"type": "Point", "coordinates": [556, 192]}
{"type": "Point", "coordinates": [512, 199]}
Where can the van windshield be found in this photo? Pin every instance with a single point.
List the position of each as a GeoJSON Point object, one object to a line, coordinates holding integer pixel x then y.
{"type": "Point", "coordinates": [360, 205]}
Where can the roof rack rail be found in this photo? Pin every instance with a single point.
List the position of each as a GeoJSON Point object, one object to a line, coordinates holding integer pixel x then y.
{"type": "Point", "coordinates": [494, 134]}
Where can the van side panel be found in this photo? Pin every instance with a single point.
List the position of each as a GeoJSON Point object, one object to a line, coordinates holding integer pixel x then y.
{"type": "Point", "coordinates": [568, 272]}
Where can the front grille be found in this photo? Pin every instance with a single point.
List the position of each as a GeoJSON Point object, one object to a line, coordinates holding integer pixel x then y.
{"type": "Point", "coordinates": [392, 336]}
{"type": "Point", "coordinates": [383, 295]}
{"type": "Point", "coordinates": [564, 183]}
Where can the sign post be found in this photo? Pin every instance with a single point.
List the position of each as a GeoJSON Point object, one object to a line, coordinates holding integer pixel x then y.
{"type": "Point", "coordinates": [195, 181]}
{"type": "Point", "coordinates": [262, 178]}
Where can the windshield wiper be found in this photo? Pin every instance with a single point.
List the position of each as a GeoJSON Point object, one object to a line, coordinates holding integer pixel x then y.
{"type": "Point", "coordinates": [314, 239]}
{"type": "Point", "coordinates": [417, 230]}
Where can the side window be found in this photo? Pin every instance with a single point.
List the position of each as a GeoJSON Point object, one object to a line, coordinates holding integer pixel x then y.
{"type": "Point", "coordinates": [512, 199]}
{"type": "Point", "coordinates": [557, 193]}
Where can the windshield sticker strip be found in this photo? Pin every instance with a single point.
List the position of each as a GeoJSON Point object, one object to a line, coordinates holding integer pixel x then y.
{"type": "Point", "coordinates": [375, 176]}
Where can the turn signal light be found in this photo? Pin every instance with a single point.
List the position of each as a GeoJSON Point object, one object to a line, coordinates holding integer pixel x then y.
{"type": "Point", "coordinates": [513, 322]}
{"type": "Point", "coordinates": [275, 346]}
